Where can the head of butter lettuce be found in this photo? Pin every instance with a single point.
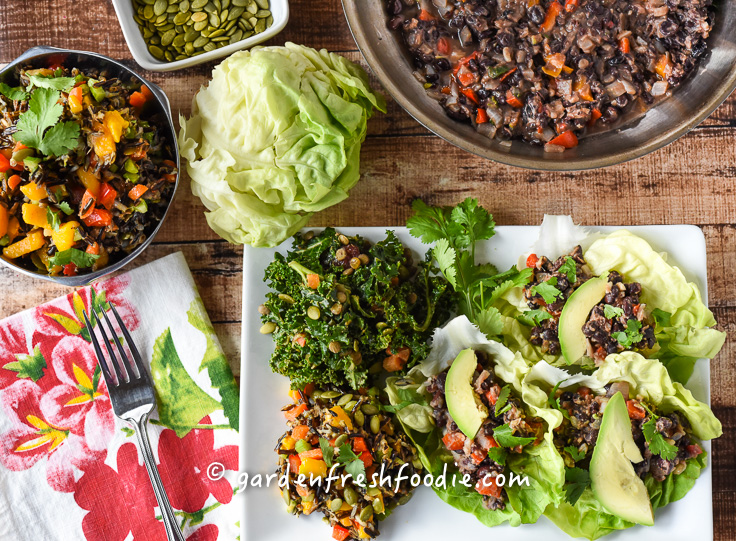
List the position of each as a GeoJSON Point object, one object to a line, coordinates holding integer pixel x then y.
{"type": "Point", "coordinates": [686, 336]}
{"type": "Point", "coordinates": [540, 463]}
{"type": "Point", "coordinates": [646, 378]}
{"type": "Point", "coordinates": [275, 137]}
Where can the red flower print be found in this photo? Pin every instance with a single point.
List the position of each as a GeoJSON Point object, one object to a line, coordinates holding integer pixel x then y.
{"type": "Point", "coordinates": [79, 401]}
{"type": "Point", "coordinates": [208, 532]}
{"type": "Point", "coordinates": [34, 438]}
{"type": "Point", "coordinates": [183, 468]}
{"type": "Point", "coordinates": [128, 491]}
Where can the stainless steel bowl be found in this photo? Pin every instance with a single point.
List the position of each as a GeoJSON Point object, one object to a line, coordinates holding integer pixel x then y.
{"type": "Point", "coordinates": [39, 56]}
{"type": "Point", "coordinates": [634, 136]}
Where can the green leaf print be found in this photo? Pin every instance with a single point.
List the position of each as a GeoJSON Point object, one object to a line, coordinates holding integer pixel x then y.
{"type": "Point", "coordinates": [181, 404]}
{"type": "Point", "coordinates": [218, 369]}
{"type": "Point", "coordinates": [28, 366]}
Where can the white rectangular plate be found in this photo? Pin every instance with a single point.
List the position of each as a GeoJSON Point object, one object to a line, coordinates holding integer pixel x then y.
{"type": "Point", "coordinates": [426, 517]}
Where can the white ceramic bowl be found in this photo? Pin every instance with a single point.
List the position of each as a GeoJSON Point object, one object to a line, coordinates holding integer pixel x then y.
{"type": "Point", "coordinates": [139, 49]}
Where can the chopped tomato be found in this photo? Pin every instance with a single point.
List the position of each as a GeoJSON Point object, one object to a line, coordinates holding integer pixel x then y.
{"type": "Point", "coordinates": [87, 206]}
{"type": "Point", "coordinates": [478, 456]}
{"type": "Point", "coordinates": [108, 194]}
{"type": "Point", "coordinates": [4, 164]}
{"type": "Point", "coordinates": [551, 18]}
{"type": "Point", "coordinates": [481, 117]}
{"type": "Point", "coordinates": [492, 394]}
{"type": "Point", "coordinates": [294, 463]}
{"type": "Point", "coordinates": [313, 281]}
{"type": "Point", "coordinates": [137, 192]}
{"type": "Point", "coordinates": [624, 45]}
{"type": "Point", "coordinates": [340, 533]}
{"type": "Point", "coordinates": [488, 487]}
{"type": "Point", "coordinates": [300, 340]}
{"type": "Point", "coordinates": [693, 450]}
{"type": "Point", "coordinates": [98, 218]}
{"type": "Point", "coordinates": [70, 269]}
{"type": "Point", "coordinates": [566, 139]}
{"type": "Point", "coordinates": [300, 432]}
{"type": "Point", "coordinates": [531, 261]}
{"type": "Point", "coordinates": [359, 445]}
{"type": "Point", "coordinates": [454, 441]}
{"type": "Point", "coordinates": [312, 453]}
{"type": "Point", "coordinates": [295, 412]}
{"type": "Point", "coordinates": [595, 114]}
{"type": "Point", "coordinates": [443, 46]}
{"type": "Point", "coordinates": [137, 99]}
{"type": "Point", "coordinates": [470, 94]}
{"type": "Point", "coordinates": [512, 100]}
{"type": "Point", "coordinates": [583, 391]}
{"type": "Point", "coordinates": [636, 411]}
{"type": "Point", "coordinates": [367, 459]}
{"type": "Point", "coordinates": [465, 76]}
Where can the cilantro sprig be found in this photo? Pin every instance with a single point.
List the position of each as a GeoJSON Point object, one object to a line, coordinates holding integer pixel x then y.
{"type": "Point", "coordinates": [657, 444]}
{"type": "Point", "coordinates": [16, 93]}
{"type": "Point", "coordinates": [631, 335]}
{"type": "Point", "coordinates": [569, 269]}
{"type": "Point", "coordinates": [547, 290]}
{"type": "Point", "coordinates": [504, 436]}
{"type": "Point", "coordinates": [455, 232]}
{"type": "Point", "coordinates": [352, 462]}
{"type": "Point", "coordinates": [576, 481]}
{"type": "Point", "coordinates": [610, 311]}
{"type": "Point", "coordinates": [554, 401]}
{"type": "Point", "coordinates": [39, 126]}
{"type": "Point", "coordinates": [81, 259]}
{"type": "Point", "coordinates": [502, 404]}
{"type": "Point", "coordinates": [532, 318]}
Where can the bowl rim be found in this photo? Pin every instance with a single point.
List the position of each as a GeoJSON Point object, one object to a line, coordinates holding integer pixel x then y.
{"type": "Point", "coordinates": [137, 46]}
{"type": "Point", "coordinates": [400, 96]}
{"type": "Point", "coordinates": [163, 101]}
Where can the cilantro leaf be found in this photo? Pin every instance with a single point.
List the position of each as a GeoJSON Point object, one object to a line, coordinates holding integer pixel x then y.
{"type": "Point", "coordinates": [504, 436]}
{"type": "Point", "coordinates": [446, 260]}
{"type": "Point", "coordinates": [53, 218]}
{"type": "Point", "coordinates": [611, 312]}
{"type": "Point", "coordinates": [502, 400]}
{"type": "Point", "coordinates": [60, 139]}
{"type": "Point", "coordinates": [328, 451]}
{"type": "Point", "coordinates": [430, 224]}
{"type": "Point", "coordinates": [352, 462]}
{"type": "Point", "coordinates": [54, 83]}
{"type": "Point", "coordinates": [631, 336]}
{"type": "Point", "coordinates": [547, 290]}
{"type": "Point", "coordinates": [43, 112]}
{"type": "Point", "coordinates": [661, 317]}
{"type": "Point", "coordinates": [28, 366]}
{"type": "Point", "coordinates": [570, 269]}
{"type": "Point", "coordinates": [656, 441]}
{"type": "Point", "coordinates": [532, 318]}
{"type": "Point", "coordinates": [576, 481]}
{"type": "Point", "coordinates": [489, 321]}
{"type": "Point", "coordinates": [81, 259]}
{"type": "Point", "coordinates": [498, 455]}
{"type": "Point", "coordinates": [477, 223]}
{"type": "Point", "coordinates": [16, 93]}
{"type": "Point", "coordinates": [65, 208]}
{"type": "Point", "coordinates": [575, 453]}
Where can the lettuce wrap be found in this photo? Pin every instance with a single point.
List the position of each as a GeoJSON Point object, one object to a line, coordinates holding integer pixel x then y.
{"type": "Point", "coordinates": [541, 463]}
{"type": "Point", "coordinates": [648, 379]}
{"type": "Point", "coordinates": [684, 329]}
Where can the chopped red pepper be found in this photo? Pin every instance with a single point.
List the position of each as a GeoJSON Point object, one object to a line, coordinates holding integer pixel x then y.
{"type": "Point", "coordinates": [295, 412]}
{"type": "Point", "coordinates": [87, 206]}
{"type": "Point", "coordinates": [481, 117]}
{"type": "Point", "coordinates": [492, 394]}
{"type": "Point", "coordinates": [595, 114]}
{"type": "Point", "coordinates": [312, 453]}
{"type": "Point", "coordinates": [443, 46]}
{"type": "Point", "coordinates": [4, 164]}
{"type": "Point", "coordinates": [300, 340]}
{"type": "Point", "coordinates": [137, 192]}
{"type": "Point", "coordinates": [488, 487]}
{"type": "Point", "coordinates": [98, 218]}
{"type": "Point", "coordinates": [693, 450]}
{"type": "Point", "coordinates": [93, 249]}
{"type": "Point", "coordinates": [340, 533]}
{"type": "Point", "coordinates": [505, 75]}
{"type": "Point", "coordinates": [550, 19]}
{"type": "Point", "coordinates": [570, 5]}
{"type": "Point", "coordinates": [624, 45]}
{"type": "Point", "coordinates": [478, 456]}
{"type": "Point", "coordinates": [454, 441]}
{"type": "Point", "coordinates": [531, 261]}
{"type": "Point", "coordinates": [300, 432]}
{"type": "Point", "coordinates": [567, 139]}
{"type": "Point", "coordinates": [294, 463]}
{"type": "Point", "coordinates": [636, 411]}
{"type": "Point", "coordinates": [108, 194]}
{"type": "Point", "coordinates": [359, 445]}
{"type": "Point", "coordinates": [465, 76]}
{"type": "Point", "coordinates": [512, 100]}
{"type": "Point", "coordinates": [425, 15]}
{"type": "Point", "coordinates": [367, 459]}
{"type": "Point", "coordinates": [463, 61]}
{"type": "Point", "coordinates": [70, 269]}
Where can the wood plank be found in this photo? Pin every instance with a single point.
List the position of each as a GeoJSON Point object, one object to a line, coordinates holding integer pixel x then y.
{"type": "Point", "coordinates": [723, 461]}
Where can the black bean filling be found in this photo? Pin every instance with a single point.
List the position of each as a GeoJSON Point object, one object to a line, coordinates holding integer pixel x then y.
{"type": "Point", "coordinates": [535, 75]}
{"type": "Point", "coordinates": [603, 333]}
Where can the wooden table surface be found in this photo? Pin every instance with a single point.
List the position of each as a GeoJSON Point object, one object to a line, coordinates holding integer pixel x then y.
{"type": "Point", "coordinates": [690, 181]}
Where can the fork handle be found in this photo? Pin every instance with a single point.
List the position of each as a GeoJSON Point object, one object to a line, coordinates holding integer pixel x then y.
{"type": "Point", "coordinates": [172, 528]}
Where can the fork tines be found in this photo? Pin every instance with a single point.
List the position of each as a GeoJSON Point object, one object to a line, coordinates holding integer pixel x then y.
{"type": "Point", "coordinates": [124, 369]}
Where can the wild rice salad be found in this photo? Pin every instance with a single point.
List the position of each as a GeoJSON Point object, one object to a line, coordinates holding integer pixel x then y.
{"type": "Point", "coordinates": [483, 457]}
{"type": "Point", "coordinates": [619, 322]}
{"type": "Point", "coordinates": [543, 71]}
{"type": "Point", "coordinates": [84, 178]}
{"type": "Point", "coordinates": [354, 433]}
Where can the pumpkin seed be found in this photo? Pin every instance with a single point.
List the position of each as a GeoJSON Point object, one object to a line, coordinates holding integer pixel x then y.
{"type": "Point", "coordinates": [214, 19]}
{"type": "Point", "coordinates": [217, 4]}
{"type": "Point", "coordinates": [344, 399]}
{"type": "Point", "coordinates": [252, 8]}
{"type": "Point", "coordinates": [341, 439]}
{"type": "Point", "coordinates": [168, 37]}
{"type": "Point", "coordinates": [224, 14]}
{"type": "Point", "coordinates": [350, 496]}
{"type": "Point", "coordinates": [225, 4]}
{"type": "Point", "coordinates": [159, 7]}
{"type": "Point", "coordinates": [229, 25]}
{"type": "Point", "coordinates": [201, 25]}
{"type": "Point", "coordinates": [241, 3]}
{"type": "Point", "coordinates": [181, 18]}
{"type": "Point", "coordinates": [269, 326]}
{"type": "Point", "coordinates": [169, 56]}
{"type": "Point", "coordinates": [359, 418]}
{"type": "Point", "coordinates": [366, 514]}
{"type": "Point", "coordinates": [210, 7]}
{"type": "Point", "coordinates": [184, 6]}
{"type": "Point", "coordinates": [199, 17]}
{"type": "Point", "coordinates": [189, 48]}
{"type": "Point", "coordinates": [200, 42]}
{"type": "Point", "coordinates": [335, 505]}
{"type": "Point", "coordinates": [237, 35]}
{"type": "Point", "coordinates": [260, 26]}
{"type": "Point", "coordinates": [330, 394]}
{"type": "Point", "coordinates": [178, 41]}
{"type": "Point", "coordinates": [206, 32]}
{"type": "Point", "coordinates": [190, 35]}
{"type": "Point", "coordinates": [286, 496]}
{"type": "Point", "coordinates": [156, 51]}
{"type": "Point", "coordinates": [350, 405]}
{"type": "Point", "coordinates": [217, 33]}
{"type": "Point", "coordinates": [263, 4]}
{"type": "Point", "coordinates": [369, 409]}
{"type": "Point", "coordinates": [172, 9]}
{"type": "Point", "coordinates": [262, 13]}
{"type": "Point", "coordinates": [221, 39]}
{"type": "Point", "coordinates": [198, 4]}
{"type": "Point", "coordinates": [160, 20]}
{"type": "Point", "coordinates": [148, 12]}
{"type": "Point", "coordinates": [211, 46]}
{"type": "Point", "coordinates": [375, 424]}
{"type": "Point", "coordinates": [313, 312]}
{"type": "Point", "coordinates": [378, 505]}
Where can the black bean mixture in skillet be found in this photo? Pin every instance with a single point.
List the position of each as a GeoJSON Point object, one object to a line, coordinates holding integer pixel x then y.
{"type": "Point", "coordinates": [619, 322]}
{"type": "Point", "coordinates": [543, 71]}
{"type": "Point", "coordinates": [665, 440]}
{"type": "Point", "coordinates": [507, 429]}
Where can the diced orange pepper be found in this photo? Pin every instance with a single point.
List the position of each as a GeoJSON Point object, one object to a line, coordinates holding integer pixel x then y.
{"type": "Point", "coordinates": [64, 237]}
{"type": "Point", "coordinates": [93, 249]}
{"type": "Point", "coordinates": [295, 412]}
{"type": "Point", "coordinates": [300, 432]}
{"type": "Point", "coordinates": [636, 411]}
{"type": "Point", "coordinates": [425, 15]}
{"type": "Point", "coordinates": [359, 445]}
{"type": "Point", "coordinates": [624, 45]}
{"type": "Point", "coordinates": [70, 269]}
{"type": "Point", "coordinates": [367, 459]}
{"type": "Point", "coordinates": [4, 163]}
{"type": "Point", "coordinates": [454, 441]}
{"type": "Point", "coordinates": [4, 220]}
{"type": "Point", "coordinates": [137, 192]}
{"type": "Point", "coordinates": [595, 114]}
{"type": "Point", "coordinates": [488, 487]}
{"type": "Point", "coordinates": [89, 181]}
{"type": "Point", "coordinates": [115, 122]}
{"type": "Point", "coordinates": [313, 281]}
{"type": "Point", "coordinates": [146, 92]}
{"type": "Point", "coordinates": [34, 215]}
{"type": "Point", "coordinates": [32, 242]}
{"type": "Point", "coordinates": [34, 192]}
{"type": "Point", "coordinates": [312, 453]}
{"type": "Point", "coordinates": [137, 99]}
{"type": "Point", "coordinates": [103, 144]}
{"type": "Point", "coordinates": [550, 19]}
{"type": "Point", "coordinates": [340, 417]}
{"type": "Point", "coordinates": [76, 97]}
{"type": "Point", "coordinates": [13, 228]}
{"type": "Point", "coordinates": [663, 67]}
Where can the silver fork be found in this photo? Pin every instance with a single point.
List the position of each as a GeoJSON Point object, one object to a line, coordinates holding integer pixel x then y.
{"type": "Point", "coordinates": [132, 397]}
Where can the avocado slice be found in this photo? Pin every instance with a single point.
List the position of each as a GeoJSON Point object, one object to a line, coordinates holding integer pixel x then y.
{"type": "Point", "coordinates": [612, 476]}
{"type": "Point", "coordinates": [463, 404]}
{"type": "Point", "coordinates": [574, 315]}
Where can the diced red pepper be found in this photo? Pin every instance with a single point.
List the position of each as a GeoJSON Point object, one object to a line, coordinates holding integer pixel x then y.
{"type": "Point", "coordinates": [295, 412]}
{"type": "Point", "coordinates": [443, 46]}
{"type": "Point", "coordinates": [465, 76]}
{"type": "Point", "coordinates": [425, 15]}
{"type": "Point", "coordinates": [70, 269]}
{"type": "Point", "coordinates": [108, 194]}
{"type": "Point", "coordinates": [359, 445]}
{"type": "Point", "coordinates": [505, 75]}
{"type": "Point", "coordinates": [636, 411]}
{"type": "Point", "coordinates": [4, 164]}
{"type": "Point", "coordinates": [481, 117]}
{"type": "Point", "coordinates": [478, 456]}
{"type": "Point", "coordinates": [624, 45]}
{"type": "Point", "coordinates": [312, 453]}
{"type": "Point", "coordinates": [454, 441]}
{"type": "Point", "coordinates": [512, 100]}
{"type": "Point", "coordinates": [14, 181]}
{"type": "Point", "coordinates": [566, 139]}
{"type": "Point", "coordinates": [93, 249]}
{"type": "Point", "coordinates": [137, 99]}
{"type": "Point", "coordinates": [137, 192]}
{"type": "Point", "coordinates": [584, 391]}
{"type": "Point", "coordinates": [551, 18]}
{"type": "Point", "coordinates": [98, 218]}
{"type": "Point", "coordinates": [301, 340]}
{"type": "Point", "coordinates": [492, 394]}
{"type": "Point", "coordinates": [87, 206]}
{"type": "Point", "coordinates": [693, 450]}
{"type": "Point", "coordinates": [300, 432]}
{"type": "Point", "coordinates": [595, 114]}
{"type": "Point", "coordinates": [488, 487]}
{"type": "Point", "coordinates": [294, 463]}
{"type": "Point", "coordinates": [531, 261]}
{"type": "Point", "coordinates": [340, 533]}
{"type": "Point", "coordinates": [367, 459]}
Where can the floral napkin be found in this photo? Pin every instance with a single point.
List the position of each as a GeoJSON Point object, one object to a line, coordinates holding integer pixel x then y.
{"type": "Point", "coordinates": [71, 470]}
